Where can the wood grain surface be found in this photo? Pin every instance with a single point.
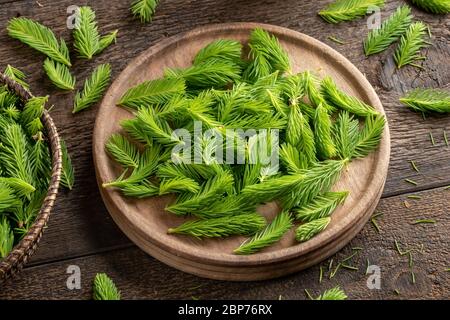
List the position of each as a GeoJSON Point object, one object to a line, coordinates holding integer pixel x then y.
{"type": "Point", "coordinates": [73, 235]}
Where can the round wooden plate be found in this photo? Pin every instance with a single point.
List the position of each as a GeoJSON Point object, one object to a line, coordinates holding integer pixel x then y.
{"type": "Point", "coordinates": [146, 222]}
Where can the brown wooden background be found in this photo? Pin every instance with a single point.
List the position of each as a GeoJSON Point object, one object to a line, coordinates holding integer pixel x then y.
{"type": "Point", "coordinates": [81, 232]}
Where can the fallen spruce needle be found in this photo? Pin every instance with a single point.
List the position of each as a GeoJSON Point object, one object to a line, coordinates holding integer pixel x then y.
{"type": "Point", "coordinates": [433, 142]}
{"type": "Point", "coordinates": [423, 221]}
{"type": "Point", "coordinates": [414, 166]}
{"type": "Point", "coordinates": [334, 39]}
{"type": "Point", "coordinates": [411, 182]}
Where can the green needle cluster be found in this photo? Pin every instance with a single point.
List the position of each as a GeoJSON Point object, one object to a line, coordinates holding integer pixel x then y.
{"type": "Point", "coordinates": [144, 9]}
{"type": "Point", "coordinates": [427, 100]}
{"type": "Point", "coordinates": [390, 31]}
{"type": "Point", "coordinates": [25, 163]}
{"type": "Point", "coordinates": [433, 6]}
{"type": "Point", "coordinates": [321, 129]}
{"type": "Point", "coordinates": [410, 44]}
{"type": "Point", "coordinates": [87, 42]}
{"type": "Point", "coordinates": [346, 10]}
{"type": "Point", "coordinates": [399, 26]}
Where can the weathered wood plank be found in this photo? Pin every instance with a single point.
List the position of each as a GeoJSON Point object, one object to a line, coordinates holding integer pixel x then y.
{"type": "Point", "coordinates": [140, 276]}
{"type": "Point", "coordinates": [80, 224]}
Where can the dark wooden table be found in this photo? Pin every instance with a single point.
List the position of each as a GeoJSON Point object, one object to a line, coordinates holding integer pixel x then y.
{"type": "Point", "coordinates": [82, 233]}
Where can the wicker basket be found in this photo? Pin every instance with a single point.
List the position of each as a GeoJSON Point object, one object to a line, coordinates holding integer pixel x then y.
{"type": "Point", "coordinates": [20, 254]}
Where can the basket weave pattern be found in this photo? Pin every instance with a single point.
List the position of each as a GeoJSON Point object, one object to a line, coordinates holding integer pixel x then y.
{"type": "Point", "coordinates": [20, 254]}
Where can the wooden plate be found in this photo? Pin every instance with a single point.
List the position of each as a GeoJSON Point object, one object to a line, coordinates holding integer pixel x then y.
{"type": "Point", "coordinates": [145, 222]}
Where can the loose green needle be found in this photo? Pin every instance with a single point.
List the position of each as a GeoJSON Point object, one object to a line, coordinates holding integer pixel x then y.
{"type": "Point", "coordinates": [422, 221]}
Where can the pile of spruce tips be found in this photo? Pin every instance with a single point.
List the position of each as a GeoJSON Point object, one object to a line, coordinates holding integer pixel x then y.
{"type": "Point", "coordinates": [25, 163]}
{"type": "Point", "coordinates": [321, 130]}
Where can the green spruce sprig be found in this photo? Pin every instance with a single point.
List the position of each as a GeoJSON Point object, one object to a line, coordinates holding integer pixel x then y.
{"type": "Point", "coordinates": [433, 6]}
{"type": "Point", "coordinates": [152, 92]}
{"type": "Point", "coordinates": [244, 224]}
{"type": "Point", "coordinates": [14, 153]}
{"type": "Point", "coordinates": [410, 45]}
{"type": "Point", "coordinates": [323, 129]}
{"type": "Point", "coordinates": [212, 189]}
{"type": "Point", "coordinates": [315, 180]}
{"type": "Point", "coordinates": [315, 97]}
{"type": "Point", "coordinates": [390, 31]}
{"type": "Point", "coordinates": [213, 73]}
{"type": "Point", "coordinates": [123, 151]}
{"type": "Point", "coordinates": [335, 293]}
{"type": "Point", "coordinates": [144, 9]}
{"type": "Point", "coordinates": [7, 197]}
{"type": "Point", "coordinates": [308, 230]}
{"type": "Point", "coordinates": [300, 135]}
{"type": "Point", "coordinates": [16, 75]}
{"type": "Point", "coordinates": [87, 39]}
{"type": "Point", "coordinates": [370, 136]}
{"type": "Point", "coordinates": [344, 101]}
{"type": "Point", "coordinates": [104, 288]}
{"type": "Point", "coordinates": [267, 56]}
{"type": "Point", "coordinates": [67, 172]}
{"type": "Point", "coordinates": [148, 162]}
{"type": "Point", "coordinates": [31, 114]}
{"type": "Point", "coordinates": [346, 135]}
{"type": "Point", "coordinates": [20, 187]}
{"type": "Point", "coordinates": [346, 10]}
{"type": "Point", "coordinates": [140, 189]}
{"type": "Point", "coordinates": [179, 185]}
{"type": "Point", "coordinates": [293, 160]}
{"type": "Point", "coordinates": [106, 40]}
{"type": "Point", "coordinates": [267, 236]}
{"type": "Point", "coordinates": [39, 37]}
{"type": "Point", "coordinates": [41, 161]}
{"type": "Point", "coordinates": [59, 74]}
{"type": "Point", "coordinates": [85, 35]}
{"type": "Point", "coordinates": [321, 206]}
{"type": "Point", "coordinates": [427, 100]}
{"type": "Point", "coordinates": [93, 88]}
{"type": "Point", "coordinates": [6, 237]}
{"type": "Point", "coordinates": [228, 50]}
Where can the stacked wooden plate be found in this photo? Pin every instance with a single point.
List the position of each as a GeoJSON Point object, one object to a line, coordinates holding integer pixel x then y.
{"type": "Point", "coordinates": [146, 222]}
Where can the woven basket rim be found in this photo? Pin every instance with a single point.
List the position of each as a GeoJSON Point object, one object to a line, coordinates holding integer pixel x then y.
{"type": "Point", "coordinates": [21, 252]}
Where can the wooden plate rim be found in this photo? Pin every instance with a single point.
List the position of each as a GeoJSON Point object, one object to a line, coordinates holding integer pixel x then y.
{"type": "Point", "coordinates": [173, 245]}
